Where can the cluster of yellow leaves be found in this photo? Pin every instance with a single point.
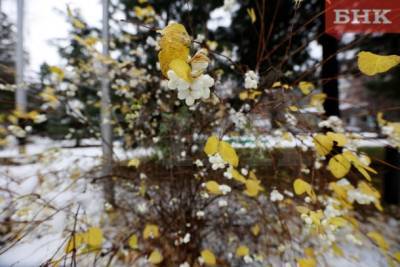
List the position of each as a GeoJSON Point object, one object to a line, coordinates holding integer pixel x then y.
{"type": "Point", "coordinates": [146, 13]}
{"type": "Point", "coordinates": [93, 239]}
{"type": "Point", "coordinates": [224, 149]}
{"type": "Point", "coordinates": [228, 154]}
{"type": "Point", "coordinates": [175, 44]}
{"type": "Point", "coordinates": [300, 187]}
{"type": "Point", "coordinates": [372, 64]}
{"type": "Point", "coordinates": [249, 94]}
{"type": "Point", "coordinates": [17, 114]}
{"type": "Point", "coordinates": [340, 165]}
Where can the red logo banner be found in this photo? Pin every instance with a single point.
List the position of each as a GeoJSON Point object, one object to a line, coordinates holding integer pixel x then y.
{"type": "Point", "coordinates": [362, 16]}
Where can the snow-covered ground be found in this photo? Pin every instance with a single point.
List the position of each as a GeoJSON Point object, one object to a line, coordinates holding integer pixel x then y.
{"type": "Point", "coordinates": [43, 190]}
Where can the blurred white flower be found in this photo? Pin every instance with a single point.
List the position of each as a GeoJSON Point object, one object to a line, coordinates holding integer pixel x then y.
{"type": "Point", "coordinates": [216, 162]}
{"type": "Point", "coordinates": [176, 83]}
{"type": "Point", "coordinates": [251, 80]}
{"type": "Point", "coordinates": [276, 196]}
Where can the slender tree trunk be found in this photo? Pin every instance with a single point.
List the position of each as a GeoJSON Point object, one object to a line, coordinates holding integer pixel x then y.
{"type": "Point", "coordinates": [106, 128]}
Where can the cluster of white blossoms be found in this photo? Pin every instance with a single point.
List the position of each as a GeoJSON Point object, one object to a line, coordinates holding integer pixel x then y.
{"type": "Point", "coordinates": [276, 196]}
{"type": "Point", "coordinates": [216, 162]}
{"type": "Point", "coordinates": [334, 123]}
{"type": "Point", "coordinates": [251, 80]}
{"type": "Point", "coordinates": [200, 84]}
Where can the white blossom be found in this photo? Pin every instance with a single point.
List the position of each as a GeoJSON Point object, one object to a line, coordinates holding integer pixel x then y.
{"type": "Point", "coordinates": [276, 196]}
{"type": "Point", "coordinates": [251, 80]}
{"type": "Point", "coordinates": [216, 162]}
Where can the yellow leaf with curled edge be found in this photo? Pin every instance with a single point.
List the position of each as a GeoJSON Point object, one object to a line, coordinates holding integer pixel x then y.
{"type": "Point", "coordinates": [253, 188]}
{"type": "Point", "coordinates": [255, 230]}
{"type": "Point", "coordinates": [306, 87]}
{"type": "Point", "coordinates": [151, 231]}
{"type": "Point", "coordinates": [379, 240]}
{"type": "Point", "coordinates": [307, 262]}
{"type": "Point", "coordinates": [174, 44]}
{"type": "Point", "coordinates": [323, 144]}
{"type": "Point", "coordinates": [293, 108]}
{"type": "Point", "coordinates": [213, 188]}
{"type": "Point", "coordinates": [133, 242]}
{"type": "Point", "coordinates": [134, 163]}
{"type": "Point", "coordinates": [300, 187]}
{"type": "Point", "coordinates": [228, 153]}
{"type": "Point", "coordinates": [339, 138]}
{"type": "Point", "coordinates": [359, 165]}
{"type": "Point", "coordinates": [277, 85]}
{"type": "Point", "coordinates": [211, 146]}
{"type": "Point", "coordinates": [252, 14]}
{"type": "Point", "coordinates": [94, 237]}
{"type": "Point", "coordinates": [181, 69]}
{"type": "Point", "coordinates": [237, 176]}
{"type": "Point", "coordinates": [155, 257]}
{"type": "Point", "coordinates": [339, 166]}
{"type": "Point", "coordinates": [317, 100]}
{"type": "Point", "coordinates": [208, 257]}
{"type": "Point", "coordinates": [242, 251]}
{"type": "Point", "coordinates": [372, 64]}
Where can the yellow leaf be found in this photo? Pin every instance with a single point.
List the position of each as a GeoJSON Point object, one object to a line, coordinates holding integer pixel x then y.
{"type": "Point", "coordinates": [255, 230]}
{"type": "Point", "coordinates": [253, 188]}
{"type": "Point", "coordinates": [181, 69]}
{"type": "Point", "coordinates": [134, 163]}
{"type": "Point", "coordinates": [339, 138]}
{"type": "Point", "coordinates": [78, 24]}
{"type": "Point", "coordinates": [252, 14]}
{"type": "Point", "coordinates": [302, 209]}
{"type": "Point", "coordinates": [293, 108]}
{"type": "Point", "coordinates": [237, 176]}
{"type": "Point", "coordinates": [317, 100]}
{"type": "Point", "coordinates": [300, 186]}
{"type": "Point", "coordinates": [209, 257]}
{"type": "Point", "coordinates": [174, 44]}
{"type": "Point", "coordinates": [211, 146]}
{"type": "Point", "coordinates": [307, 262]}
{"type": "Point", "coordinates": [242, 251]}
{"type": "Point", "coordinates": [151, 231]}
{"type": "Point", "coordinates": [155, 257]}
{"type": "Point", "coordinates": [133, 242]}
{"type": "Point", "coordinates": [339, 166]}
{"type": "Point", "coordinates": [372, 64]}
{"type": "Point", "coordinates": [337, 250]}
{"type": "Point", "coordinates": [323, 144]}
{"type": "Point", "coordinates": [213, 188]}
{"type": "Point", "coordinates": [379, 240]}
{"type": "Point", "coordinates": [94, 237]}
{"type": "Point", "coordinates": [57, 71]}
{"type": "Point", "coordinates": [338, 221]}
{"type": "Point", "coordinates": [74, 243]}
{"type": "Point", "coordinates": [228, 153]}
{"type": "Point", "coordinates": [306, 87]}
